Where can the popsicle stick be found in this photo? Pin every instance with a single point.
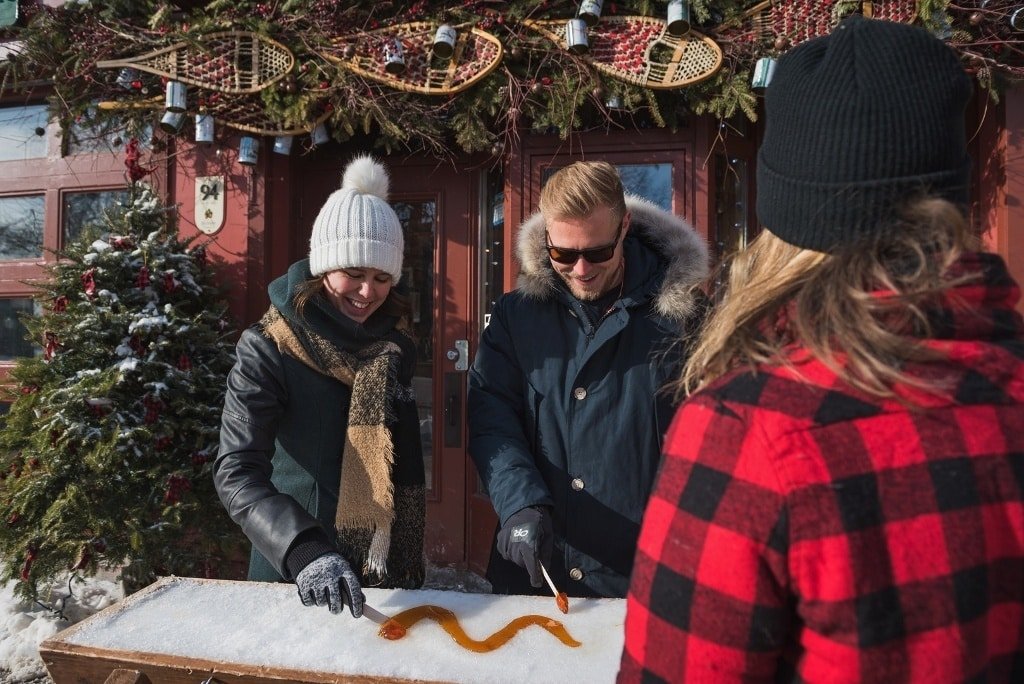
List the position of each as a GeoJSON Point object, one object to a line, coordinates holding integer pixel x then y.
{"type": "Point", "coordinates": [554, 590]}
{"type": "Point", "coordinates": [561, 599]}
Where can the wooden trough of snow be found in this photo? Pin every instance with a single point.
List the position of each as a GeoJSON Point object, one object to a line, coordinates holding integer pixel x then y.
{"type": "Point", "coordinates": [182, 630]}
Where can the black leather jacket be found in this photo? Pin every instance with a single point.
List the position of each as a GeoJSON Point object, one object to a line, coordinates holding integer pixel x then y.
{"type": "Point", "coordinates": [282, 435]}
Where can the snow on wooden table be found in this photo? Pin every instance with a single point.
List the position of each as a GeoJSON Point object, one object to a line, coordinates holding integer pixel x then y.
{"type": "Point", "coordinates": [263, 629]}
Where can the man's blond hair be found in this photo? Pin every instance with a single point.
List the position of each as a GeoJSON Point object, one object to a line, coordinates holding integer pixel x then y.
{"type": "Point", "coordinates": [577, 190]}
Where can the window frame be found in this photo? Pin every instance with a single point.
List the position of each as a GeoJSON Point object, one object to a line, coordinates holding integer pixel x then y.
{"type": "Point", "coordinates": [53, 176]}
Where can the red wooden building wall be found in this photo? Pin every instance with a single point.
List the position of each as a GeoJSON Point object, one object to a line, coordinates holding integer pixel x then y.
{"type": "Point", "coordinates": [269, 209]}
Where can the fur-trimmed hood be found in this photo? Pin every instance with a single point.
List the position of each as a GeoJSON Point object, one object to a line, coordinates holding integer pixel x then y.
{"type": "Point", "coordinates": [670, 237]}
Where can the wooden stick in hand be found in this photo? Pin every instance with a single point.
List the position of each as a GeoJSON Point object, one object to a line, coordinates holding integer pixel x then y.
{"type": "Point", "coordinates": [560, 598]}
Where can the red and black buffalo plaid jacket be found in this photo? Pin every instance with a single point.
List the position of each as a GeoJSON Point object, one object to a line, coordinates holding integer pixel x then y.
{"type": "Point", "coordinates": [801, 530]}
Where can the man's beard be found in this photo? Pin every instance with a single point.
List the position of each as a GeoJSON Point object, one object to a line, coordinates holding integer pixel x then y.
{"type": "Point", "coordinates": [589, 295]}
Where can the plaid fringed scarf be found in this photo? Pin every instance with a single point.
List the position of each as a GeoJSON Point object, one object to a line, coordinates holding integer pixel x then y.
{"type": "Point", "coordinates": [366, 505]}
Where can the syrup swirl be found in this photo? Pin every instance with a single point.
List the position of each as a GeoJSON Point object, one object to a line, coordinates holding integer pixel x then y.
{"type": "Point", "coordinates": [398, 625]}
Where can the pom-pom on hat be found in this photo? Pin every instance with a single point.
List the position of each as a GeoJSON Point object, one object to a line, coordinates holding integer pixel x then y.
{"type": "Point", "coordinates": [857, 122]}
{"type": "Point", "coordinates": [356, 227]}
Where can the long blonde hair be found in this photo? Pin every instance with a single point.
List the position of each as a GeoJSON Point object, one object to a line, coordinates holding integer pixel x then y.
{"type": "Point", "coordinates": [830, 304]}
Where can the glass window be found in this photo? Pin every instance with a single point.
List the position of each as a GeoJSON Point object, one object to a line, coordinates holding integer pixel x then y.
{"type": "Point", "coordinates": [19, 132]}
{"type": "Point", "coordinates": [650, 181]}
{"type": "Point", "coordinates": [732, 229]}
{"type": "Point", "coordinates": [21, 227]}
{"type": "Point", "coordinates": [492, 253]}
{"type": "Point", "coordinates": [83, 208]}
{"type": "Point", "coordinates": [89, 134]}
{"type": "Point", "coordinates": [419, 219]}
{"type": "Point", "coordinates": [12, 331]}
{"type": "Point", "coordinates": [731, 209]}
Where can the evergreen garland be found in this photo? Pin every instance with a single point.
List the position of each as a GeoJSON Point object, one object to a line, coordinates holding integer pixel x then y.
{"type": "Point", "coordinates": [539, 86]}
{"type": "Point", "coordinates": [105, 455]}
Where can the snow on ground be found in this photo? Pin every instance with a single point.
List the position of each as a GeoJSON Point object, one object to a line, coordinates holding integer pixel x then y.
{"type": "Point", "coordinates": [23, 625]}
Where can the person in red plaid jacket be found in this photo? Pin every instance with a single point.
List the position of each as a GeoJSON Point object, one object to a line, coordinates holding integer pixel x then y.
{"type": "Point", "coordinates": [842, 494]}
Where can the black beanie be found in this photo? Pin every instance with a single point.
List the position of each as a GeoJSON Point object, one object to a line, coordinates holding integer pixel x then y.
{"type": "Point", "coordinates": [856, 122]}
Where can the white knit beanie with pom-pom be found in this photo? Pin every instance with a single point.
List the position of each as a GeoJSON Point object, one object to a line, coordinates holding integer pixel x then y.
{"type": "Point", "coordinates": [356, 227]}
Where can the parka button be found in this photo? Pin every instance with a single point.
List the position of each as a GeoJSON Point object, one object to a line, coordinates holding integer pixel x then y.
{"type": "Point", "coordinates": [576, 574]}
{"type": "Point", "coordinates": [580, 393]}
{"type": "Point", "coordinates": [576, 484]}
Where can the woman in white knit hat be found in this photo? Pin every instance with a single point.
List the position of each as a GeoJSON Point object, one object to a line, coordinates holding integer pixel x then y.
{"type": "Point", "coordinates": [320, 460]}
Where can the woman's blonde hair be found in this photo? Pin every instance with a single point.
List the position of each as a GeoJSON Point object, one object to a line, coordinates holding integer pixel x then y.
{"type": "Point", "coordinates": [866, 301]}
{"type": "Point", "coordinates": [577, 190]}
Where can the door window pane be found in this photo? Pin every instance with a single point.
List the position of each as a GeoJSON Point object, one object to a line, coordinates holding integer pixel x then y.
{"type": "Point", "coordinates": [21, 227]}
{"type": "Point", "coordinates": [731, 208]}
{"type": "Point", "coordinates": [83, 208]}
{"type": "Point", "coordinates": [492, 252]}
{"type": "Point", "coordinates": [418, 219]}
{"type": "Point", "coordinates": [653, 182]}
{"type": "Point", "coordinates": [12, 331]}
{"type": "Point", "coordinates": [18, 137]}
{"type": "Point", "coordinates": [732, 229]}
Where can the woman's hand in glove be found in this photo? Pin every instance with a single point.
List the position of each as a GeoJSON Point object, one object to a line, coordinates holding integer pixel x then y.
{"type": "Point", "coordinates": [330, 581]}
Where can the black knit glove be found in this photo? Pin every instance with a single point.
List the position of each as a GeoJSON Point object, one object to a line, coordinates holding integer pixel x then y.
{"type": "Point", "coordinates": [527, 539]}
{"type": "Point", "coordinates": [330, 581]}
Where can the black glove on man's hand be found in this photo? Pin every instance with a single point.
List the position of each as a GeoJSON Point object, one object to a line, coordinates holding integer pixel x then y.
{"type": "Point", "coordinates": [526, 540]}
{"type": "Point", "coordinates": [330, 581]}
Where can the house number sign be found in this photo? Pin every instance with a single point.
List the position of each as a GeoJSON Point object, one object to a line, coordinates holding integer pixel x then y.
{"type": "Point", "coordinates": [209, 203]}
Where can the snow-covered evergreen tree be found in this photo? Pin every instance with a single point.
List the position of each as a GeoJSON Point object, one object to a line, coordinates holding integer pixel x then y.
{"type": "Point", "coordinates": [105, 455]}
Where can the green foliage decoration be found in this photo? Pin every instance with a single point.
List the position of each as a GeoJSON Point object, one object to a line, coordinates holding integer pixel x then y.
{"type": "Point", "coordinates": [106, 453]}
{"type": "Point", "coordinates": [538, 86]}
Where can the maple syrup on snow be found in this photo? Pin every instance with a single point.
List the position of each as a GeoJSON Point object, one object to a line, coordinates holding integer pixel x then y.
{"type": "Point", "coordinates": [398, 625]}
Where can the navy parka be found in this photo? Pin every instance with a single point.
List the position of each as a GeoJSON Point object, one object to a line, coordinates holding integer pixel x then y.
{"type": "Point", "coordinates": [568, 412]}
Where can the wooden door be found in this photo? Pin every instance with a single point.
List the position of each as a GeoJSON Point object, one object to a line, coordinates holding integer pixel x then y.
{"type": "Point", "coordinates": [437, 206]}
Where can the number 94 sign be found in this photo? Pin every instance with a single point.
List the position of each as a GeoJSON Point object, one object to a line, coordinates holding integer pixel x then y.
{"type": "Point", "coordinates": [209, 203]}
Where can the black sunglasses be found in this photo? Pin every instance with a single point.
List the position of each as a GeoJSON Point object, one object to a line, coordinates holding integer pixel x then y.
{"type": "Point", "coordinates": [594, 255]}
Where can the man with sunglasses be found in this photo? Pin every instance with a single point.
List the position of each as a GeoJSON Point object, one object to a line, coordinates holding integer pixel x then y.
{"type": "Point", "coordinates": [566, 408]}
